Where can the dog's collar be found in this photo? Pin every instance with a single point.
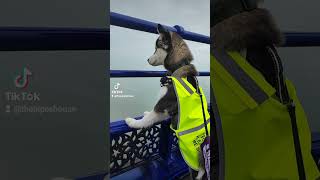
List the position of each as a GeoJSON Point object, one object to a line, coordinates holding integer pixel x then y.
{"type": "Point", "coordinates": [165, 81]}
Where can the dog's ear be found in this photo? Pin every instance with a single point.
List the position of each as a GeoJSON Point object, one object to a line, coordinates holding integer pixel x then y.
{"type": "Point", "coordinates": [161, 29]}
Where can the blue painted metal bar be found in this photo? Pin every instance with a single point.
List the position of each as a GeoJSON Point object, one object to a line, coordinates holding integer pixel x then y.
{"type": "Point", "coordinates": [151, 27]}
{"type": "Point", "coordinates": [40, 39]}
{"type": "Point", "coordinates": [302, 39]}
{"type": "Point", "coordinates": [133, 73]}
{"type": "Point", "coordinates": [292, 39]}
{"type": "Point", "coordinates": [118, 127]}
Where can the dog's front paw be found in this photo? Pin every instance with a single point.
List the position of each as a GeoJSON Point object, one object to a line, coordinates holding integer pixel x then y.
{"type": "Point", "coordinates": [131, 122]}
{"type": "Point", "coordinates": [201, 172]}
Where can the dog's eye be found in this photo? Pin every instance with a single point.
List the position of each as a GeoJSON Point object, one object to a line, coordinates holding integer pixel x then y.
{"type": "Point", "coordinates": [162, 44]}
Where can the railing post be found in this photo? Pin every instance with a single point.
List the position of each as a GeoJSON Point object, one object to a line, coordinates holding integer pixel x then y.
{"type": "Point", "coordinates": [180, 29]}
{"type": "Point", "coordinates": [165, 140]}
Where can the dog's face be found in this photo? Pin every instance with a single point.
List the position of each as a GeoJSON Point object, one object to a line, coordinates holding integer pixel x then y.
{"type": "Point", "coordinates": [162, 47]}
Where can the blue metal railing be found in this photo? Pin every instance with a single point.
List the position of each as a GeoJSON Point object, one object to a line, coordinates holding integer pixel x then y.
{"type": "Point", "coordinates": [151, 27]}
{"type": "Point", "coordinates": [132, 73]}
{"type": "Point", "coordinates": [301, 39]}
{"type": "Point", "coordinates": [292, 39]}
{"type": "Point", "coordinates": [43, 39]}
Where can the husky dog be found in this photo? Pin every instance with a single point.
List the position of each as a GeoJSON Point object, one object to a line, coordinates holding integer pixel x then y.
{"type": "Point", "coordinates": [172, 52]}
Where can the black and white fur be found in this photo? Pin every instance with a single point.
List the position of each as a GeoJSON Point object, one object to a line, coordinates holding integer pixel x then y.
{"type": "Point", "coordinates": [172, 52]}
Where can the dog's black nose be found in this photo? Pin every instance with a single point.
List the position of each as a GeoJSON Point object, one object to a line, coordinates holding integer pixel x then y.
{"type": "Point", "coordinates": [148, 60]}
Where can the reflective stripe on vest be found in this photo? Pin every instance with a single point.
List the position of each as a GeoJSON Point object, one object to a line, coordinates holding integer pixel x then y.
{"type": "Point", "coordinates": [242, 78]}
{"type": "Point", "coordinates": [193, 129]}
{"type": "Point", "coordinates": [185, 85]}
{"type": "Point", "coordinates": [246, 82]}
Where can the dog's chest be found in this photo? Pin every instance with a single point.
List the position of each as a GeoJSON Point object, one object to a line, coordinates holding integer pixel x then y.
{"type": "Point", "coordinates": [163, 91]}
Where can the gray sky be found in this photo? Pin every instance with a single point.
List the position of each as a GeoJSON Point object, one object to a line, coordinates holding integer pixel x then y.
{"type": "Point", "coordinates": [130, 49]}
{"type": "Point", "coordinates": [296, 15]}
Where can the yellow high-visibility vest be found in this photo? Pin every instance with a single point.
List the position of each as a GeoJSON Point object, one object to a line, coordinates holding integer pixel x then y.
{"type": "Point", "coordinates": [254, 128]}
{"type": "Point", "coordinates": [190, 128]}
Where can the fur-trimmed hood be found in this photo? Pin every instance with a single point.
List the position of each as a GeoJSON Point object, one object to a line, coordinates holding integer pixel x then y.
{"type": "Point", "coordinates": [255, 28]}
